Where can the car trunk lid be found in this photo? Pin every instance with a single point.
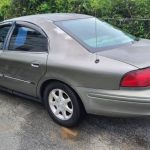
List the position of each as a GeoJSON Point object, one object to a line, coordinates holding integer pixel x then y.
{"type": "Point", "coordinates": [136, 54]}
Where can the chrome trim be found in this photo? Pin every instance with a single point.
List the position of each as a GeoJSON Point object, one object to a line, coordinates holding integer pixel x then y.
{"type": "Point", "coordinates": [29, 82]}
{"type": "Point", "coordinates": [35, 65]}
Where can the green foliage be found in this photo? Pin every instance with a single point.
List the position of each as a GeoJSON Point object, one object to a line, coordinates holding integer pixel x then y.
{"type": "Point", "coordinates": [116, 9]}
{"type": "Point", "coordinates": [4, 6]}
{"type": "Point", "coordinates": [139, 28]}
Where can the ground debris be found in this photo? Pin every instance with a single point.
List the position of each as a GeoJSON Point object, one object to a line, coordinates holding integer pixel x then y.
{"type": "Point", "coordinates": [68, 133]}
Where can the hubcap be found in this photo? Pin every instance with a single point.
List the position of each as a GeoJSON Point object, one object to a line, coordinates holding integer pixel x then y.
{"type": "Point", "coordinates": [60, 104]}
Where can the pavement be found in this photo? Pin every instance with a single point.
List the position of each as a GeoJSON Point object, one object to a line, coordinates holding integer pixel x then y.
{"type": "Point", "coordinates": [25, 125]}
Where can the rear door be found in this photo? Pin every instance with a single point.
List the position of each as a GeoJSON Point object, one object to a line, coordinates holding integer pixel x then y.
{"type": "Point", "coordinates": [24, 59]}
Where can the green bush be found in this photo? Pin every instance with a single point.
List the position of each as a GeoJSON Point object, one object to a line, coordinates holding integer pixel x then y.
{"type": "Point", "coordinates": [137, 27]}
{"type": "Point", "coordinates": [117, 10]}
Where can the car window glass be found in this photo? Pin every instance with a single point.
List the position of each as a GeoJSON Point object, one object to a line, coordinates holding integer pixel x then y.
{"type": "Point", "coordinates": [27, 39]}
{"type": "Point", "coordinates": [3, 33]}
{"type": "Point", "coordinates": [95, 34]}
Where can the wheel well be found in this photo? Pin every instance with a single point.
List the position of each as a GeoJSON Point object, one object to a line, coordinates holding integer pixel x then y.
{"type": "Point", "coordinates": [51, 81]}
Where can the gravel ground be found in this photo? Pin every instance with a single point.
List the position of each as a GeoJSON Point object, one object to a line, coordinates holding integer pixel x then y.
{"type": "Point", "coordinates": [25, 125]}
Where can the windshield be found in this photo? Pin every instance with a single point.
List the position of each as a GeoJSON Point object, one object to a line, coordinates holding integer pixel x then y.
{"type": "Point", "coordinates": [94, 34]}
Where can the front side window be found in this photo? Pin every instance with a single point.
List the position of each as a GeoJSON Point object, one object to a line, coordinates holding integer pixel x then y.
{"type": "Point", "coordinates": [3, 33]}
{"type": "Point", "coordinates": [27, 39]}
{"type": "Point", "coordinates": [95, 34]}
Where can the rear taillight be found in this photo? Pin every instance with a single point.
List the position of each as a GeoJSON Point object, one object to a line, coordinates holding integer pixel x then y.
{"type": "Point", "coordinates": [137, 78]}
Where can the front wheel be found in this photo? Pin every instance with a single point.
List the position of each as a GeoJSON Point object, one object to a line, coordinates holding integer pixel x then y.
{"type": "Point", "coordinates": [63, 104]}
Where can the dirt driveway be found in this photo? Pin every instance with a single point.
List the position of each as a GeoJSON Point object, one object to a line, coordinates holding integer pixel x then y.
{"type": "Point", "coordinates": [25, 125]}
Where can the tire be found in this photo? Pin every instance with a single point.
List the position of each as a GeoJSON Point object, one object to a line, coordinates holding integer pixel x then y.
{"type": "Point", "coordinates": [63, 105]}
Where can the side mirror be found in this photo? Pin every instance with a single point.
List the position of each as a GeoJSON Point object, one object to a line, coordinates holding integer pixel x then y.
{"type": "Point", "coordinates": [1, 40]}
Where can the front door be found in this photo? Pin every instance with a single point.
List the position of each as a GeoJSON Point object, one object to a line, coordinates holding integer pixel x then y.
{"type": "Point", "coordinates": [24, 59]}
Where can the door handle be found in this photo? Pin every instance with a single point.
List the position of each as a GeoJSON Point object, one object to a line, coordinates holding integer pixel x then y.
{"type": "Point", "coordinates": [35, 65]}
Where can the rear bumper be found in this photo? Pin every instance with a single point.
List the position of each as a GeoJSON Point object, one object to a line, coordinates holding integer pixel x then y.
{"type": "Point", "coordinates": [116, 102]}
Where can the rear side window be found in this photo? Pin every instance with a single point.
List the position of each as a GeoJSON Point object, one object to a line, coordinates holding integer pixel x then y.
{"type": "Point", "coordinates": [3, 33]}
{"type": "Point", "coordinates": [27, 39]}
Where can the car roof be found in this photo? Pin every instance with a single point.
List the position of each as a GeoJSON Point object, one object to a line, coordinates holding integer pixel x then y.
{"type": "Point", "coordinates": [46, 21]}
{"type": "Point", "coordinates": [52, 17]}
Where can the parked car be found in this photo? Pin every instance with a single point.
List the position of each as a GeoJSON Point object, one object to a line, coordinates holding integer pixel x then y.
{"type": "Point", "coordinates": [75, 64]}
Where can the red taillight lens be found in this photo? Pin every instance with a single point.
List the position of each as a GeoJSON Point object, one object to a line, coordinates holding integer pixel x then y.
{"type": "Point", "coordinates": [137, 78]}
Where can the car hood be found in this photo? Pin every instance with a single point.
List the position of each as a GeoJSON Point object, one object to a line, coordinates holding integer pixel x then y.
{"type": "Point", "coordinates": [136, 54]}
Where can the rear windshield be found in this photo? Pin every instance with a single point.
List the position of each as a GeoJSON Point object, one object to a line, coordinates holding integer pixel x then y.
{"type": "Point", "coordinates": [94, 34]}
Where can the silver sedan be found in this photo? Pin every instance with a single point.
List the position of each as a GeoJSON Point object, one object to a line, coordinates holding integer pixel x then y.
{"type": "Point", "coordinates": [75, 64]}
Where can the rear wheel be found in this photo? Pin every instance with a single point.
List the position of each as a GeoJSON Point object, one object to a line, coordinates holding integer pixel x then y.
{"type": "Point", "coordinates": [63, 104]}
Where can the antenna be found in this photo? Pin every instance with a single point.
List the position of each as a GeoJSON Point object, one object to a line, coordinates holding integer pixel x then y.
{"type": "Point", "coordinates": [97, 59]}
{"type": "Point", "coordinates": [95, 29]}
{"type": "Point", "coordinates": [89, 11]}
